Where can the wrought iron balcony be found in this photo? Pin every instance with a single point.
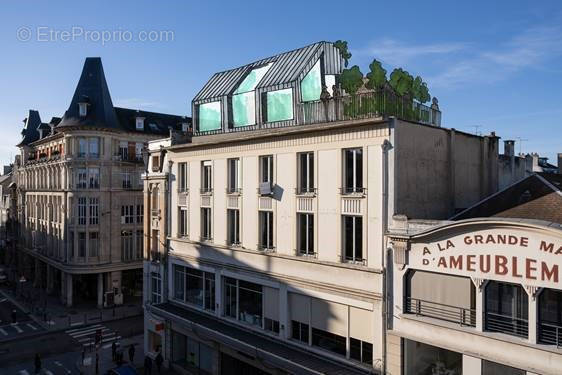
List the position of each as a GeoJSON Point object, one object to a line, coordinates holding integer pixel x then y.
{"type": "Point", "coordinates": [507, 324]}
{"type": "Point", "coordinates": [550, 334]}
{"type": "Point", "coordinates": [453, 314]}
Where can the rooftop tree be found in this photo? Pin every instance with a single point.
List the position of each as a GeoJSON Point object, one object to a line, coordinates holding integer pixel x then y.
{"type": "Point", "coordinates": [351, 79]}
{"type": "Point", "coordinates": [341, 45]}
{"type": "Point", "coordinates": [377, 76]}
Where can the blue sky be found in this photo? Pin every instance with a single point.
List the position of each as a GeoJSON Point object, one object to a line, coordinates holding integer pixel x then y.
{"type": "Point", "coordinates": [493, 65]}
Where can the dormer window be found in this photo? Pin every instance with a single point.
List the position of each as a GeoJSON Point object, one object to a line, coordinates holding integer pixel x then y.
{"type": "Point", "coordinates": [140, 123]}
{"type": "Point", "coordinates": [83, 109]}
{"type": "Point", "coordinates": [243, 99]}
{"type": "Point", "coordinates": [185, 127]}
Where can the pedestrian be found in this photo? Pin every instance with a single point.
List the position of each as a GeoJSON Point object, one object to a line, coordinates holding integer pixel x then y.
{"type": "Point", "coordinates": [97, 363]}
{"type": "Point", "coordinates": [14, 316]}
{"type": "Point", "coordinates": [147, 365]}
{"type": "Point", "coordinates": [37, 363]}
{"type": "Point", "coordinates": [131, 353]}
{"type": "Point", "coordinates": [159, 361]}
{"type": "Point", "coordinates": [113, 351]}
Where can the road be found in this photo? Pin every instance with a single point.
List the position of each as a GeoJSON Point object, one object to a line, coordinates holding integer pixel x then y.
{"type": "Point", "coordinates": [24, 326]}
{"type": "Point", "coordinates": [60, 350]}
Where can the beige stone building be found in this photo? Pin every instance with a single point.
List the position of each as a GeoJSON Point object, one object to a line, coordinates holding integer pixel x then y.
{"type": "Point", "coordinates": [80, 205]}
{"type": "Point", "coordinates": [480, 294]}
{"type": "Point", "coordinates": [265, 232]}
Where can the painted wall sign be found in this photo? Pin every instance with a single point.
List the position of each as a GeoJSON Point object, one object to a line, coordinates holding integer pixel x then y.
{"type": "Point", "coordinates": [512, 255]}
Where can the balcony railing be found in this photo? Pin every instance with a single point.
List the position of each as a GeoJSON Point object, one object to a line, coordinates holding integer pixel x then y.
{"type": "Point", "coordinates": [507, 324]}
{"type": "Point", "coordinates": [453, 314]}
{"type": "Point", "coordinates": [368, 105]}
{"type": "Point", "coordinates": [550, 334]}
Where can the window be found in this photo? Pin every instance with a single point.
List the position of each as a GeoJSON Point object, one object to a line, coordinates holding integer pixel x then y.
{"type": "Point", "coordinates": [82, 109]}
{"type": "Point", "coordinates": [94, 147]}
{"type": "Point", "coordinates": [126, 180]}
{"type": "Point", "coordinates": [353, 238]}
{"type": "Point", "coordinates": [192, 354]}
{"type": "Point", "coordinates": [329, 341]}
{"type": "Point", "coordinates": [244, 99]}
{"type": "Point", "coordinates": [140, 244]}
{"type": "Point", "coordinates": [299, 331]}
{"type": "Point", "coordinates": [126, 245]}
{"type": "Point", "coordinates": [71, 243]}
{"type": "Point", "coordinates": [233, 227]}
{"type": "Point", "coordinates": [243, 301]}
{"type": "Point", "coordinates": [82, 147]}
{"type": "Point", "coordinates": [209, 116]}
{"type": "Point", "coordinates": [182, 230]}
{"type": "Point", "coordinates": [82, 211]}
{"type": "Point", "coordinates": [94, 244]}
{"type": "Point", "coordinates": [271, 325]}
{"type": "Point", "coordinates": [155, 163]}
{"type": "Point", "coordinates": [182, 177]}
{"type": "Point", "coordinates": [353, 171]}
{"type": "Point", "coordinates": [138, 151]}
{"type": "Point", "coordinates": [306, 173]}
{"type": "Point", "coordinates": [127, 214]}
{"type": "Point", "coordinates": [94, 211]}
{"type": "Point", "coordinates": [493, 368]}
{"type": "Point", "coordinates": [82, 182]}
{"type": "Point", "coordinates": [233, 175]}
{"type": "Point", "coordinates": [279, 105]}
{"type": "Point", "coordinates": [506, 309]}
{"type": "Point", "coordinates": [419, 357]}
{"type": "Point", "coordinates": [156, 287]}
{"type": "Point", "coordinates": [360, 351]}
{"type": "Point", "coordinates": [195, 287]}
{"type": "Point", "coordinates": [311, 84]}
{"type": "Point", "coordinates": [139, 123]}
{"type": "Point", "coordinates": [206, 230]}
{"type": "Point", "coordinates": [140, 213]}
{"type": "Point", "coordinates": [305, 234]}
{"type": "Point", "coordinates": [266, 230]}
{"type": "Point", "coordinates": [93, 178]}
{"type": "Point", "coordinates": [124, 150]}
{"type": "Point", "coordinates": [82, 244]}
{"type": "Point", "coordinates": [266, 169]}
{"type": "Point", "coordinates": [206, 177]}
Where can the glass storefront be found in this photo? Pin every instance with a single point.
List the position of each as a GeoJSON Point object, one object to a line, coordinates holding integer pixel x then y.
{"type": "Point", "coordinates": [423, 359]}
{"type": "Point", "coordinates": [493, 368]}
{"type": "Point", "coordinates": [191, 354]}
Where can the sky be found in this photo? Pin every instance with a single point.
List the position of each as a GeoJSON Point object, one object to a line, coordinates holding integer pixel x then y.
{"type": "Point", "coordinates": [493, 65]}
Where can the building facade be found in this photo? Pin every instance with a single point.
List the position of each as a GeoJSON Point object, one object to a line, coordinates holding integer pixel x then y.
{"type": "Point", "coordinates": [265, 232]}
{"type": "Point", "coordinates": [481, 293]}
{"type": "Point", "coordinates": [79, 195]}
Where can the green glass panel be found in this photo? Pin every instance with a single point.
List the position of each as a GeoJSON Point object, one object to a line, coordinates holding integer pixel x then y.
{"type": "Point", "coordinates": [244, 109]}
{"type": "Point", "coordinates": [252, 79]}
{"type": "Point", "coordinates": [280, 105]}
{"type": "Point", "coordinates": [209, 116]}
{"type": "Point", "coordinates": [311, 84]}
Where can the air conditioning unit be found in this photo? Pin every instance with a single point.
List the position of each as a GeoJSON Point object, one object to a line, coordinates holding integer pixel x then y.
{"type": "Point", "coordinates": [266, 188]}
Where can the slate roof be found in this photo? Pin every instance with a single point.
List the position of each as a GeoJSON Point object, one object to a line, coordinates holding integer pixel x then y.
{"type": "Point", "coordinates": [29, 132]}
{"type": "Point", "coordinates": [154, 123]}
{"type": "Point", "coordinates": [537, 197]}
{"type": "Point", "coordinates": [286, 68]}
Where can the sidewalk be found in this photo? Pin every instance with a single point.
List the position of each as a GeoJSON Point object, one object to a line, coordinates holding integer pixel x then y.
{"type": "Point", "coordinates": [49, 312]}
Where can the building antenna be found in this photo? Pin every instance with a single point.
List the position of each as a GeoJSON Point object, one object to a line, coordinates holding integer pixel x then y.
{"type": "Point", "coordinates": [521, 140]}
{"type": "Point", "coordinates": [476, 129]}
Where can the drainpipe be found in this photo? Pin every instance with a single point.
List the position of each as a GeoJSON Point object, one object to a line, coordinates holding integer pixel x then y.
{"type": "Point", "coordinates": [385, 147]}
{"type": "Point", "coordinates": [167, 226]}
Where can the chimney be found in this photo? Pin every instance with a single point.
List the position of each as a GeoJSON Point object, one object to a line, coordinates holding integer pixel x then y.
{"type": "Point", "coordinates": [509, 148]}
{"type": "Point", "coordinates": [559, 163]}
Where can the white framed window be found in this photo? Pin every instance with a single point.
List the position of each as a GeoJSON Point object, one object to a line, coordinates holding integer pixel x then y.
{"type": "Point", "coordinates": [93, 178]}
{"type": "Point", "coordinates": [127, 214]}
{"type": "Point", "coordinates": [305, 234]}
{"type": "Point", "coordinates": [155, 287]}
{"type": "Point", "coordinates": [82, 181]}
{"type": "Point", "coordinates": [139, 123]}
{"type": "Point", "coordinates": [138, 150]}
{"type": "Point", "coordinates": [234, 175]}
{"type": "Point", "coordinates": [353, 171]}
{"type": "Point", "coordinates": [305, 176]}
{"type": "Point", "coordinates": [206, 224]}
{"type": "Point", "coordinates": [82, 147]}
{"type": "Point", "coordinates": [126, 180]}
{"type": "Point", "coordinates": [124, 150]}
{"type": "Point", "coordinates": [94, 210]}
{"type": "Point", "coordinates": [266, 230]}
{"type": "Point", "coordinates": [353, 238]}
{"type": "Point", "coordinates": [233, 227]}
{"type": "Point", "coordinates": [94, 147]}
{"type": "Point", "coordinates": [183, 222]}
{"type": "Point", "coordinates": [206, 177]}
{"type": "Point", "coordinates": [82, 211]}
{"type": "Point", "coordinates": [140, 213]}
{"type": "Point", "coordinates": [182, 177]}
{"type": "Point", "coordinates": [266, 169]}
{"type": "Point", "coordinates": [82, 109]}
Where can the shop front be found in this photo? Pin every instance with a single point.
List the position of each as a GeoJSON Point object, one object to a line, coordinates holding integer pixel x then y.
{"type": "Point", "coordinates": [477, 296]}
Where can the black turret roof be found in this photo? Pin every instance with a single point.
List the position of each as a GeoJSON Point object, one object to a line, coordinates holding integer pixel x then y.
{"type": "Point", "coordinates": [29, 132]}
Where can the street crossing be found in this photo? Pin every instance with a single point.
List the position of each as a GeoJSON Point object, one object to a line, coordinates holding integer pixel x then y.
{"type": "Point", "coordinates": [8, 331]}
{"type": "Point", "coordinates": [86, 336]}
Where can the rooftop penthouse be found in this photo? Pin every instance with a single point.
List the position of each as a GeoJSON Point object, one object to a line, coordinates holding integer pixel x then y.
{"type": "Point", "coordinates": [294, 88]}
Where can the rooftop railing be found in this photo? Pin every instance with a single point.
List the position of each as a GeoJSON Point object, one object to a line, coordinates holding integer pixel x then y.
{"type": "Point", "coordinates": [360, 106]}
